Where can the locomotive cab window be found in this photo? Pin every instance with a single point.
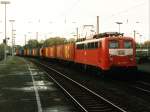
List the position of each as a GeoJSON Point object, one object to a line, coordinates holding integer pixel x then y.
{"type": "Point", "coordinates": [127, 44]}
{"type": "Point", "coordinates": [113, 44]}
{"type": "Point", "coordinates": [91, 45]}
{"type": "Point", "coordinates": [80, 46]}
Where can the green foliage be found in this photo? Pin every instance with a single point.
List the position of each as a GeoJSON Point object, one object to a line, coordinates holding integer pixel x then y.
{"type": "Point", "coordinates": [57, 41]}
{"type": "Point", "coordinates": [1, 45]}
{"type": "Point", "coordinates": [54, 41]}
{"type": "Point", "coordinates": [146, 44]}
{"type": "Point", "coordinates": [138, 45]}
{"type": "Point", "coordinates": [32, 44]}
{"type": "Point", "coordinates": [1, 51]}
{"type": "Point", "coordinates": [8, 49]}
{"type": "Point", "coordinates": [48, 42]}
{"type": "Point", "coordinates": [1, 48]}
{"type": "Point", "coordinates": [18, 46]}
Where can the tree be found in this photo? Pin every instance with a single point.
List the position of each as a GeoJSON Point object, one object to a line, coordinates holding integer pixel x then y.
{"type": "Point", "coordinates": [54, 41]}
{"type": "Point", "coordinates": [18, 46]}
{"type": "Point", "coordinates": [32, 44]}
{"type": "Point", "coordinates": [138, 45]}
{"type": "Point", "coordinates": [8, 49]}
{"type": "Point", "coordinates": [2, 48]}
{"type": "Point", "coordinates": [146, 44]}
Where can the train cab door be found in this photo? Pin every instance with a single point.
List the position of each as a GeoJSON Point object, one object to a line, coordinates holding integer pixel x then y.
{"type": "Point", "coordinates": [100, 58]}
{"type": "Point", "coordinates": [85, 52]}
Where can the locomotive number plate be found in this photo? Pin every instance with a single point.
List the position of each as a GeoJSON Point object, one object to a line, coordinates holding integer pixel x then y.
{"type": "Point", "coordinates": [121, 52]}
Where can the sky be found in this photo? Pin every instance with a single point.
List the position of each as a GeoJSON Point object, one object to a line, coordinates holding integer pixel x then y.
{"type": "Point", "coordinates": [61, 18]}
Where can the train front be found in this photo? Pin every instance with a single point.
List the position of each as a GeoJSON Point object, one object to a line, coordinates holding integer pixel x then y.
{"type": "Point", "coordinates": [121, 53]}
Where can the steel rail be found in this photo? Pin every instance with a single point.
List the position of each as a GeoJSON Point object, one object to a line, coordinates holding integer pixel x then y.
{"type": "Point", "coordinates": [85, 88]}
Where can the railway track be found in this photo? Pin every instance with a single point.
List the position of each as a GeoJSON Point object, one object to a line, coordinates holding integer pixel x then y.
{"type": "Point", "coordinates": [142, 86]}
{"type": "Point", "coordinates": [84, 98]}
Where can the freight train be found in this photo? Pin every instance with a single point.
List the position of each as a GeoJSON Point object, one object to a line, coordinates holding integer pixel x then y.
{"type": "Point", "coordinates": [104, 51]}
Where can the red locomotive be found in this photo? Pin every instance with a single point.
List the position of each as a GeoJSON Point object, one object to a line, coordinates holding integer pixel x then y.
{"type": "Point", "coordinates": [111, 50]}
{"type": "Point", "coordinates": [103, 51]}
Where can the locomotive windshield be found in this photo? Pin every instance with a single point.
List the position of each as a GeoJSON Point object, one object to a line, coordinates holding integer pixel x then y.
{"type": "Point", "coordinates": [113, 44]}
{"type": "Point", "coordinates": [127, 44]}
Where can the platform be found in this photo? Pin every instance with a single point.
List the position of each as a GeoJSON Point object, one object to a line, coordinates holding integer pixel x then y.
{"type": "Point", "coordinates": [25, 88]}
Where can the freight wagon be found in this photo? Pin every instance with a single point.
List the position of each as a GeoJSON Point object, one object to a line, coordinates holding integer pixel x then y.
{"type": "Point", "coordinates": [104, 51]}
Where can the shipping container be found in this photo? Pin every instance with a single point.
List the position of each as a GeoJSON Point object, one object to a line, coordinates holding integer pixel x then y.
{"type": "Point", "coordinates": [59, 51]}
{"type": "Point", "coordinates": [52, 52]}
{"type": "Point", "coordinates": [21, 52]}
{"type": "Point", "coordinates": [69, 52]}
{"type": "Point", "coordinates": [46, 52]}
{"type": "Point", "coordinates": [25, 52]}
{"type": "Point", "coordinates": [41, 52]}
{"type": "Point", "coordinates": [17, 52]}
{"type": "Point", "coordinates": [35, 52]}
{"type": "Point", "coordinates": [30, 51]}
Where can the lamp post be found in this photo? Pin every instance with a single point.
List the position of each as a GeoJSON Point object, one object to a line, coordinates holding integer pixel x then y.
{"type": "Point", "coordinates": [25, 40]}
{"type": "Point", "coordinates": [12, 21]}
{"type": "Point", "coordinates": [77, 30]}
{"type": "Point", "coordinates": [149, 18]}
{"type": "Point", "coordinates": [5, 3]}
{"type": "Point", "coordinates": [119, 23]}
{"type": "Point", "coordinates": [134, 31]}
{"type": "Point", "coordinates": [37, 33]}
{"type": "Point", "coordinates": [14, 36]}
{"type": "Point", "coordinates": [148, 47]}
{"type": "Point", "coordinates": [97, 25]}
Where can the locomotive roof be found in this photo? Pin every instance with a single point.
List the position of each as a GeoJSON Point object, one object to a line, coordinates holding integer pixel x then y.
{"type": "Point", "coordinates": [99, 39]}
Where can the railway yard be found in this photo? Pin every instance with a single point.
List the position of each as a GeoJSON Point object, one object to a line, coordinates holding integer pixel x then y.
{"type": "Point", "coordinates": [30, 85]}
{"type": "Point", "coordinates": [75, 56]}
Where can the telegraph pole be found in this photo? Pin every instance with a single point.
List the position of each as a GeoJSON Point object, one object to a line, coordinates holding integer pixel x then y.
{"type": "Point", "coordinates": [134, 32]}
{"type": "Point", "coordinates": [148, 46]}
{"type": "Point", "coordinates": [119, 23]}
{"type": "Point", "coordinates": [25, 37]}
{"type": "Point", "coordinates": [37, 36]}
{"type": "Point", "coordinates": [12, 21]}
{"type": "Point", "coordinates": [149, 20]}
{"type": "Point", "coordinates": [77, 33]}
{"type": "Point", "coordinates": [5, 40]}
{"type": "Point", "coordinates": [97, 25]}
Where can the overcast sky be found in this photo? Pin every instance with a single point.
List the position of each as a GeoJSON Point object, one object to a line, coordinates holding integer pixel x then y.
{"type": "Point", "coordinates": [61, 17]}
